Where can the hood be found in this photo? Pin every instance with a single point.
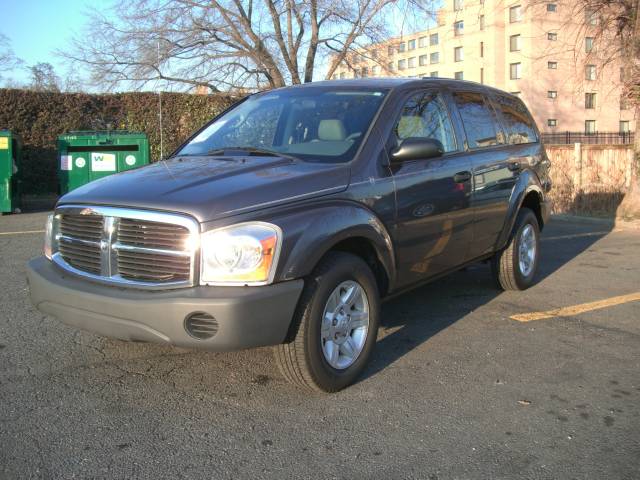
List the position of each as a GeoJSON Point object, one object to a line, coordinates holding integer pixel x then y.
{"type": "Point", "coordinates": [209, 188]}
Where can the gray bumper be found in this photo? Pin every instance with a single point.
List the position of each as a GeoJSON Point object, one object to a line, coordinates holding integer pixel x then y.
{"type": "Point", "coordinates": [247, 316]}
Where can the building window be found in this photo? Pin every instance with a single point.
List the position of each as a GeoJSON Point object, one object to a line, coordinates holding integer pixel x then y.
{"type": "Point", "coordinates": [423, 60]}
{"type": "Point", "coordinates": [356, 73]}
{"type": "Point", "coordinates": [481, 22]}
{"type": "Point", "coordinates": [434, 57]}
{"type": "Point", "coordinates": [515, 14]}
{"type": "Point", "coordinates": [342, 75]}
{"type": "Point", "coordinates": [374, 70]}
{"type": "Point", "coordinates": [458, 28]}
{"type": "Point", "coordinates": [390, 66]}
{"type": "Point", "coordinates": [433, 74]}
{"type": "Point", "coordinates": [402, 47]}
{"type": "Point", "coordinates": [553, 36]}
{"type": "Point", "coordinates": [625, 126]}
{"type": "Point", "coordinates": [514, 71]}
{"type": "Point", "coordinates": [422, 42]}
{"type": "Point", "coordinates": [433, 39]}
{"type": "Point", "coordinates": [391, 50]}
{"type": "Point", "coordinates": [589, 100]}
{"type": "Point", "coordinates": [588, 44]}
{"type": "Point", "coordinates": [481, 49]}
{"type": "Point", "coordinates": [552, 122]}
{"type": "Point", "coordinates": [590, 72]}
{"type": "Point", "coordinates": [412, 44]}
{"type": "Point", "coordinates": [552, 94]}
{"type": "Point", "coordinates": [411, 63]}
{"type": "Point", "coordinates": [402, 64]}
{"type": "Point", "coordinates": [364, 72]}
{"type": "Point", "coordinates": [458, 54]}
{"type": "Point", "coordinates": [481, 75]}
{"type": "Point", "coordinates": [458, 76]}
{"type": "Point", "coordinates": [589, 127]}
{"type": "Point", "coordinates": [514, 43]}
{"type": "Point", "coordinates": [591, 17]}
{"type": "Point", "coordinates": [552, 65]}
{"type": "Point", "coordinates": [457, 5]}
{"type": "Point", "coordinates": [552, 7]}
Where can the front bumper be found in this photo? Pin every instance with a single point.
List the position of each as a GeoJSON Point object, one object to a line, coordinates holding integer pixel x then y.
{"type": "Point", "coordinates": [247, 316]}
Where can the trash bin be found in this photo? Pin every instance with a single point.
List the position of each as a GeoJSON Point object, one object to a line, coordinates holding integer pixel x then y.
{"type": "Point", "coordinates": [10, 159]}
{"type": "Point", "coordinates": [87, 156]}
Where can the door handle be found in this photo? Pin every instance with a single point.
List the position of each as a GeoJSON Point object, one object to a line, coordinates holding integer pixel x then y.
{"type": "Point", "coordinates": [462, 177]}
{"type": "Point", "coordinates": [514, 166]}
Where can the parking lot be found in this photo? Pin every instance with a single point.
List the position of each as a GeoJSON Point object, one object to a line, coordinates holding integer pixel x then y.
{"type": "Point", "coordinates": [466, 382]}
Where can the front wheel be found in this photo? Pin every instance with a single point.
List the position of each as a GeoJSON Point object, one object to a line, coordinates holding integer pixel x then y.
{"type": "Point", "coordinates": [337, 323]}
{"type": "Point", "coordinates": [515, 266]}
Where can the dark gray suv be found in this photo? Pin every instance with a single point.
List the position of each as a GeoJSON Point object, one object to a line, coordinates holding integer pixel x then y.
{"type": "Point", "coordinates": [290, 216]}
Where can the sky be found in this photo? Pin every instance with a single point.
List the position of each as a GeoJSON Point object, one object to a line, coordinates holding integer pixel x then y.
{"type": "Point", "coordinates": [36, 28]}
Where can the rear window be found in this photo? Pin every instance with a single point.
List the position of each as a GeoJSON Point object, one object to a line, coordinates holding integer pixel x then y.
{"type": "Point", "coordinates": [478, 119]}
{"type": "Point", "coordinates": [518, 122]}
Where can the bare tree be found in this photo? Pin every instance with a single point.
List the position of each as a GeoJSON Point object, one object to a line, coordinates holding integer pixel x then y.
{"type": "Point", "coordinates": [44, 78]}
{"type": "Point", "coordinates": [613, 30]}
{"type": "Point", "coordinates": [8, 60]}
{"type": "Point", "coordinates": [226, 44]}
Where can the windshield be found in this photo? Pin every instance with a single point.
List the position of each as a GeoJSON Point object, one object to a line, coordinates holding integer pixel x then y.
{"type": "Point", "coordinates": [311, 124]}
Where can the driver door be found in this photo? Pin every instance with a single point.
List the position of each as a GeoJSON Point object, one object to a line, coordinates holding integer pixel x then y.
{"type": "Point", "coordinates": [434, 222]}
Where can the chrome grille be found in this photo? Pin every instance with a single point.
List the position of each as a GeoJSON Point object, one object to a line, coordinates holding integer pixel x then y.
{"type": "Point", "coordinates": [127, 247]}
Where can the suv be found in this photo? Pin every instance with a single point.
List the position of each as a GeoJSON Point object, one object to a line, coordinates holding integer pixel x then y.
{"type": "Point", "coordinates": [287, 218]}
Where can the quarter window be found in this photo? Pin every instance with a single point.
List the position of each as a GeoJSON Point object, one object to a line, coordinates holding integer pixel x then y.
{"type": "Point", "coordinates": [425, 116]}
{"type": "Point", "coordinates": [517, 121]}
{"type": "Point", "coordinates": [477, 118]}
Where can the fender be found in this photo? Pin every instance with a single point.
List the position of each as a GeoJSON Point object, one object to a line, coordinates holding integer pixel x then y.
{"type": "Point", "coordinates": [311, 230]}
{"type": "Point", "coordinates": [527, 182]}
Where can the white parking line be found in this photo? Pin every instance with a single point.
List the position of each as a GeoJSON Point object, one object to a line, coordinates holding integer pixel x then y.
{"type": "Point", "coordinates": [24, 232]}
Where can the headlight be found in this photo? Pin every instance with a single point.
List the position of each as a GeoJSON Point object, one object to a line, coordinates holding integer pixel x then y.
{"type": "Point", "coordinates": [48, 240]}
{"type": "Point", "coordinates": [243, 254]}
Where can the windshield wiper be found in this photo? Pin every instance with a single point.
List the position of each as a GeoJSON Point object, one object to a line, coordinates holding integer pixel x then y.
{"type": "Point", "coordinates": [251, 150]}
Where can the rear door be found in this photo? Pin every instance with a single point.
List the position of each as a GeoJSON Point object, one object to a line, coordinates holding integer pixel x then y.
{"type": "Point", "coordinates": [433, 217]}
{"type": "Point", "coordinates": [493, 174]}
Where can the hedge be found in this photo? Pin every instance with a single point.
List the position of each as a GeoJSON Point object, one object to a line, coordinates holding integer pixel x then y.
{"type": "Point", "coordinates": [39, 117]}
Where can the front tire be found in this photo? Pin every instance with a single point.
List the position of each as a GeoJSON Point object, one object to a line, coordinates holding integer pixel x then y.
{"type": "Point", "coordinates": [514, 267]}
{"type": "Point", "coordinates": [335, 325]}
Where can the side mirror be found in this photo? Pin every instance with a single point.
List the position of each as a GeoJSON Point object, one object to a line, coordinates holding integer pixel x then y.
{"type": "Point", "coordinates": [414, 148]}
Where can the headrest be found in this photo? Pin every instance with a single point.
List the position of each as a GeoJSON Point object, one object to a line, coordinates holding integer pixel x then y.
{"type": "Point", "coordinates": [331, 130]}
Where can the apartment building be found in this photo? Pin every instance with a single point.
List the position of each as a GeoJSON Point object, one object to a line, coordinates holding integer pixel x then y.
{"type": "Point", "coordinates": [542, 51]}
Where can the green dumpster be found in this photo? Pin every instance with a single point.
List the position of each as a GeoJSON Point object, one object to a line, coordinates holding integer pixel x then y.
{"type": "Point", "coordinates": [10, 157]}
{"type": "Point", "coordinates": [87, 156]}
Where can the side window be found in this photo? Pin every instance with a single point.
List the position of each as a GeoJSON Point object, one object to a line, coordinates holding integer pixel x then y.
{"type": "Point", "coordinates": [478, 119]}
{"type": "Point", "coordinates": [517, 121]}
{"type": "Point", "coordinates": [425, 116]}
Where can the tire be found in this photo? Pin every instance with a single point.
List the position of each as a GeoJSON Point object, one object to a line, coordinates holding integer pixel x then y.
{"type": "Point", "coordinates": [508, 271]}
{"type": "Point", "coordinates": [303, 361]}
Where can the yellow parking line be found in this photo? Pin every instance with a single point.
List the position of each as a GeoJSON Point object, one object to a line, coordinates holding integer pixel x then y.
{"type": "Point", "coordinates": [577, 309]}
{"type": "Point", "coordinates": [25, 232]}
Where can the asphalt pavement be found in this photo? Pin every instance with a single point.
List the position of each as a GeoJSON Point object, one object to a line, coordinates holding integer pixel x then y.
{"type": "Point", "coordinates": [457, 389]}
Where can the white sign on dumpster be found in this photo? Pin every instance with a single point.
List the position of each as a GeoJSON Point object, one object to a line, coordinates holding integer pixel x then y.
{"type": "Point", "coordinates": [103, 162]}
{"type": "Point", "coordinates": [65, 162]}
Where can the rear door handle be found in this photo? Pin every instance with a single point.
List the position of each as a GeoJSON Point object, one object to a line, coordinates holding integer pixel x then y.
{"type": "Point", "coordinates": [462, 177]}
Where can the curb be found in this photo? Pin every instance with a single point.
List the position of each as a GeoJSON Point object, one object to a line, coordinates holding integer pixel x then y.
{"type": "Point", "coordinates": [610, 222]}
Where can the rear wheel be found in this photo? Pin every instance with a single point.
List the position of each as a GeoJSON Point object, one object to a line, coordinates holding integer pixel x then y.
{"type": "Point", "coordinates": [337, 323]}
{"type": "Point", "coordinates": [515, 266]}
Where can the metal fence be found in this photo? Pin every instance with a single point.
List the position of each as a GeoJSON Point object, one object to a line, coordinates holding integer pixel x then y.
{"type": "Point", "coordinates": [596, 138]}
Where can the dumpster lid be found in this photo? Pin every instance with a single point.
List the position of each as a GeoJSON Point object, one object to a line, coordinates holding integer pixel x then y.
{"type": "Point", "coordinates": [100, 133]}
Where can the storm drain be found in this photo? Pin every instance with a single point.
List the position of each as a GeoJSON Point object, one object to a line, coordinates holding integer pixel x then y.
{"type": "Point", "coordinates": [201, 325]}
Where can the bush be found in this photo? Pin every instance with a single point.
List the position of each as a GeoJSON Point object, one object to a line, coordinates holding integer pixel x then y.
{"type": "Point", "coordinates": [39, 117]}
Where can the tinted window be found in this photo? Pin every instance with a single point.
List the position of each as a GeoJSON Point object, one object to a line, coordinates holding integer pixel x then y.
{"type": "Point", "coordinates": [517, 121]}
{"type": "Point", "coordinates": [425, 116]}
{"type": "Point", "coordinates": [477, 118]}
